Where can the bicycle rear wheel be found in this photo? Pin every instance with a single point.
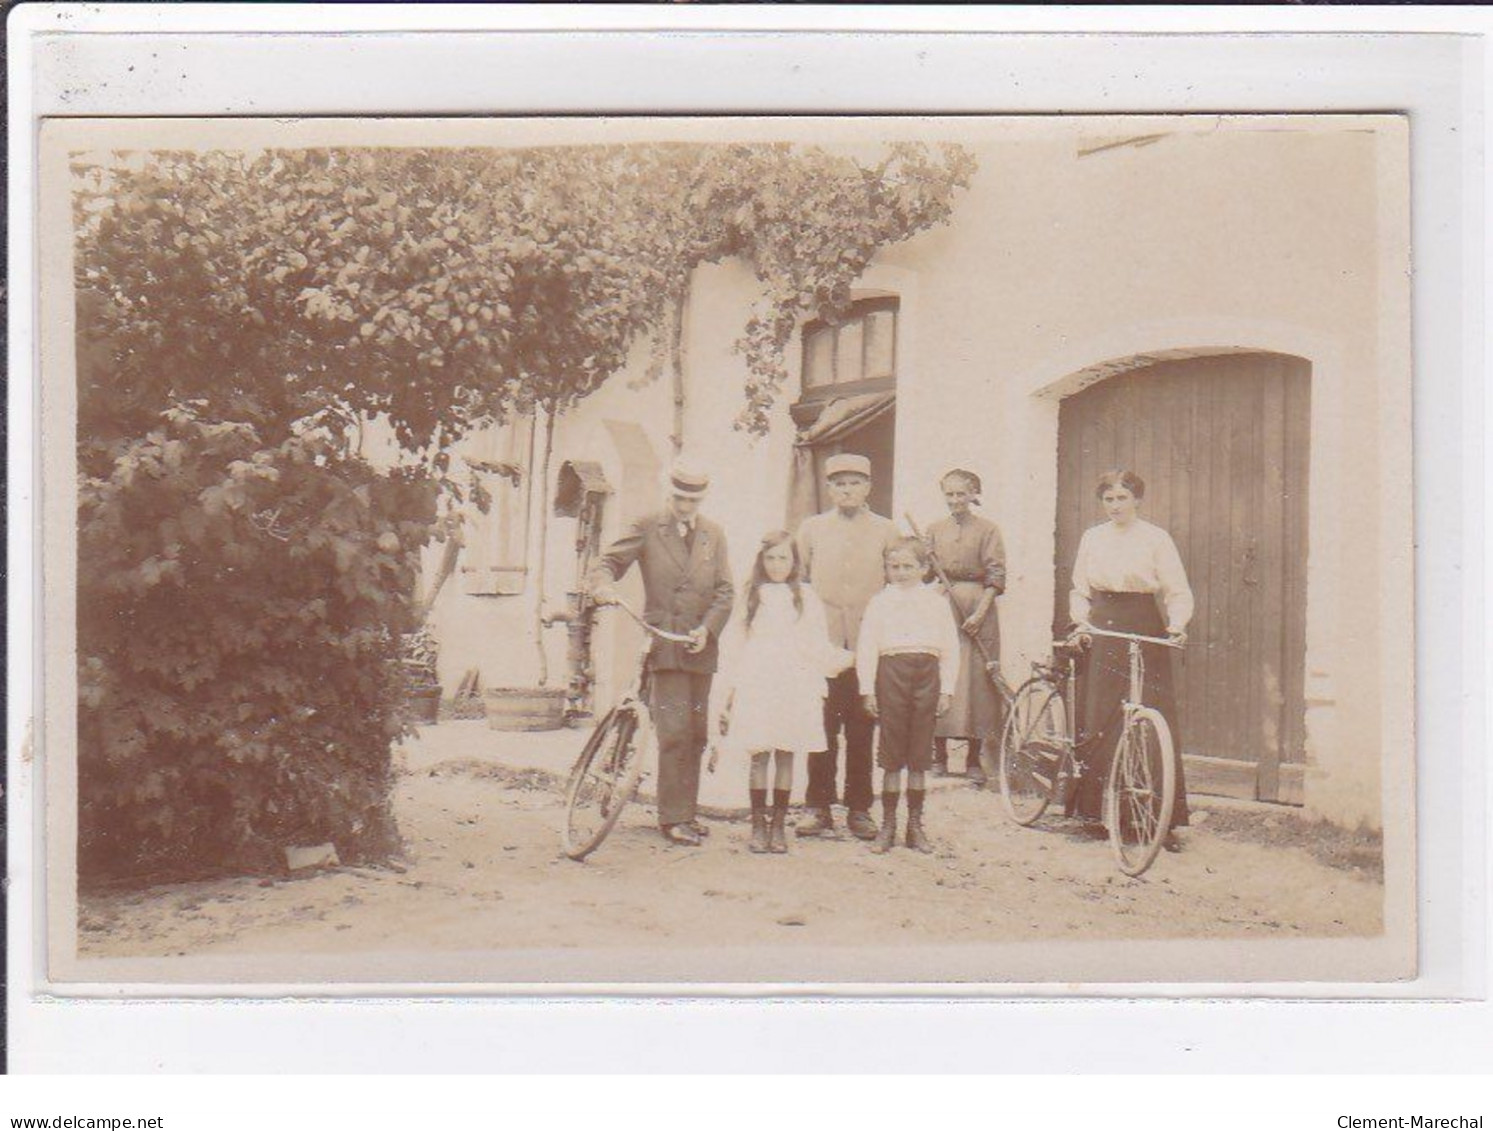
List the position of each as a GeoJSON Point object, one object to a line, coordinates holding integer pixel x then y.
{"type": "Point", "coordinates": [1033, 750]}
{"type": "Point", "coordinates": [1140, 792]}
{"type": "Point", "coordinates": [603, 780]}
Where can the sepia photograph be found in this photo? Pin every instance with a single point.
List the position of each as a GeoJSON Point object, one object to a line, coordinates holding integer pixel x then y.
{"type": "Point", "coordinates": [835, 553]}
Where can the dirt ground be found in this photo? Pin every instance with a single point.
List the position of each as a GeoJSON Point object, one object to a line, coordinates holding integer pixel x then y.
{"type": "Point", "coordinates": [483, 870]}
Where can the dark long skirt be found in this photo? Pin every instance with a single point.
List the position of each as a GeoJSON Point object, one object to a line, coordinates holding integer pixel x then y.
{"type": "Point", "coordinates": [1104, 684]}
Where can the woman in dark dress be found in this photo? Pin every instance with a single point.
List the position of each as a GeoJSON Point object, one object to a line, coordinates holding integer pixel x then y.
{"type": "Point", "coordinates": [1127, 577]}
{"type": "Point", "coordinates": [973, 558]}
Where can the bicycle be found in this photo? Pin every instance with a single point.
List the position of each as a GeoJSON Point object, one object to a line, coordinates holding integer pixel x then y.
{"type": "Point", "coordinates": [612, 764]}
{"type": "Point", "coordinates": [1041, 757]}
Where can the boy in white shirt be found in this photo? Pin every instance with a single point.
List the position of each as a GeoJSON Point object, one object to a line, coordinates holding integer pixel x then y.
{"type": "Point", "coordinates": [908, 651]}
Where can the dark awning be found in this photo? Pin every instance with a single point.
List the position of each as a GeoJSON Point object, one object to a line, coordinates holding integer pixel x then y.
{"type": "Point", "coordinates": [844, 415]}
{"type": "Point", "coordinates": [577, 479]}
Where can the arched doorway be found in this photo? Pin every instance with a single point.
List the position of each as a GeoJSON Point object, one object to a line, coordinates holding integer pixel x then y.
{"type": "Point", "coordinates": [1222, 443]}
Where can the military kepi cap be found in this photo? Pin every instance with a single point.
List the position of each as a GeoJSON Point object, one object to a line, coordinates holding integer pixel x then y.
{"type": "Point", "coordinates": [845, 463]}
{"type": "Point", "coordinates": [690, 482]}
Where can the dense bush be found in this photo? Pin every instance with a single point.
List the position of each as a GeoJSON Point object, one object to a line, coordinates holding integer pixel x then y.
{"type": "Point", "coordinates": [239, 678]}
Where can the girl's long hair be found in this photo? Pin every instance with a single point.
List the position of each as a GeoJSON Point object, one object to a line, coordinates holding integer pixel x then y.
{"type": "Point", "coordinates": [771, 540]}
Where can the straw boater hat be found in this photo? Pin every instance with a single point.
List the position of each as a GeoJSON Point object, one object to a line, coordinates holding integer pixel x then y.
{"type": "Point", "coordinates": [688, 482]}
{"type": "Point", "coordinates": [846, 463]}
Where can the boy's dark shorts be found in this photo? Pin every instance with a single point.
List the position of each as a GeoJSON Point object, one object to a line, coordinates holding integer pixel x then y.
{"type": "Point", "coordinates": [907, 702]}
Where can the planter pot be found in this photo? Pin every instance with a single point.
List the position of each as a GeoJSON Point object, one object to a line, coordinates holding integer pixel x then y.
{"type": "Point", "coordinates": [525, 708]}
{"type": "Point", "coordinates": [424, 706]}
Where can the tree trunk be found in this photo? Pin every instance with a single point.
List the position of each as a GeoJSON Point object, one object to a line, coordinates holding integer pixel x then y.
{"type": "Point", "coordinates": [544, 526]}
{"type": "Point", "coordinates": [676, 362]}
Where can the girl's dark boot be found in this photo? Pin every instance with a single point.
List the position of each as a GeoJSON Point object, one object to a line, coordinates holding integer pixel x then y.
{"type": "Point", "coordinates": [886, 836]}
{"type": "Point", "coordinates": [917, 839]}
{"type": "Point", "coordinates": [777, 837]}
{"type": "Point", "coordinates": [759, 842]}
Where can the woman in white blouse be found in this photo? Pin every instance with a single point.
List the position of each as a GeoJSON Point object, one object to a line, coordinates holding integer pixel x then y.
{"type": "Point", "coordinates": [1127, 577]}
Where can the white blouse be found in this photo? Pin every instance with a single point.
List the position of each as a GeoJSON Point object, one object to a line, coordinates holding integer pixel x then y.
{"type": "Point", "coordinates": [1140, 558]}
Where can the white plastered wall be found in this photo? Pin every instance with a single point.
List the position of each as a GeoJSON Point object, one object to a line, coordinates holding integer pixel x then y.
{"type": "Point", "coordinates": [1052, 266]}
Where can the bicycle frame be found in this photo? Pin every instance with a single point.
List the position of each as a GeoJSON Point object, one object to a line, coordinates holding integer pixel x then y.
{"type": "Point", "coordinates": [637, 692]}
{"type": "Point", "coordinates": [1135, 699]}
{"type": "Point", "coordinates": [1064, 675]}
{"type": "Point", "coordinates": [629, 727]}
{"type": "Point", "coordinates": [1066, 678]}
{"type": "Point", "coordinates": [634, 697]}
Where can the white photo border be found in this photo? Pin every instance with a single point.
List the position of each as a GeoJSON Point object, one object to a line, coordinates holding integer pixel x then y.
{"type": "Point", "coordinates": [73, 60]}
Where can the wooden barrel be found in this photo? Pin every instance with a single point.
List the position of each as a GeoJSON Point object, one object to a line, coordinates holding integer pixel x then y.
{"type": "Point", "coordinates": [525, 708]}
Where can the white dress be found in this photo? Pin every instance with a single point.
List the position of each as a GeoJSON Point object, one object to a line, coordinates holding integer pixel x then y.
{"type": "Point", "coordinates": [780, 664]}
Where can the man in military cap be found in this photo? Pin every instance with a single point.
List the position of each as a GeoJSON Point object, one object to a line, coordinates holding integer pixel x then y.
{"type": "Point", "coordinates": [841, 551]}
{"type": "Point", "coordinates": [686, 589]}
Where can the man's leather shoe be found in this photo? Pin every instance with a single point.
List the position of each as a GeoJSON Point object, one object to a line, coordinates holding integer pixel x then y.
{"type": "Point", "coordinates": [820, 822]}
{"type": "Point", "coordinates": [680, 834]}
{"type": "Point", "coordinates": [860, 825]}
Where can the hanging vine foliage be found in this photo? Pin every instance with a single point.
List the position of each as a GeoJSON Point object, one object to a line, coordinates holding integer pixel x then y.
{"type": "Point", "coordinates": [810, 227]}
{"type": "Point", "coordinates": [808, 221]}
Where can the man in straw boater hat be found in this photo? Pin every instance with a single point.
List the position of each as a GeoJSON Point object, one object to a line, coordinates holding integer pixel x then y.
{"type": "Point", "coordinates": [841, 551]}
{"type": "Point", "coordinates": [686, 589]}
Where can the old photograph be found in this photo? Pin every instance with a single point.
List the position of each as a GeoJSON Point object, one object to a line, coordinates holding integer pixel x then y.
{"type": "Point", "coordinates": [819, 552]}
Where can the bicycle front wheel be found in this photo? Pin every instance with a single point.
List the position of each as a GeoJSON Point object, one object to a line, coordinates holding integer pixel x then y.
{"type": "Point", "coordinates": [1141, 791]}
{"type": "Point", "coordinates": [603, 780]}
{"type": "Point", "coordinates": [1033, 750]}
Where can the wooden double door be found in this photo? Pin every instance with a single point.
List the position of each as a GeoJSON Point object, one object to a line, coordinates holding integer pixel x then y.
{"type": "Point", "coordinates": [1222, 444]}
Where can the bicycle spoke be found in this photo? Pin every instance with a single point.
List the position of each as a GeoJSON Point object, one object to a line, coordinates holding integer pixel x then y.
{"type": "Point", "coordinates": [1138, 796]}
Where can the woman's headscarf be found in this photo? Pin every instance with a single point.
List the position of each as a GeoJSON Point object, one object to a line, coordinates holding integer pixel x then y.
{"type": "Point", "coordinates": [975, 487]}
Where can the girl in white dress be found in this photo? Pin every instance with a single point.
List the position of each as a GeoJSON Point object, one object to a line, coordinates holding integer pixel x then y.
{"type": "Point", "coordinates": [775, 707]}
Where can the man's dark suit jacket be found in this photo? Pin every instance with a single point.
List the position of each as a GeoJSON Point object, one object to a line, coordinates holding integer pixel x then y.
{"type": "Point", "coordinates": [683, 587]}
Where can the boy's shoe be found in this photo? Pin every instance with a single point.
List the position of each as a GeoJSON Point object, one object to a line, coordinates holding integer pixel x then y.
{"type": "Point", "coordinates": [820, 821]}
{"type": "Point", "coordinates": [698, 827]}
{"type": "Point", "coordinates": [860, 824]}
{"type": "Point", "coordinates": [680, 834]}
{"type": "Point", "coordinates": [975, 775]}
{"type": "Point", "coordinates": [917, 839]}
{"type": "Point", "coordinates": [886, 839]}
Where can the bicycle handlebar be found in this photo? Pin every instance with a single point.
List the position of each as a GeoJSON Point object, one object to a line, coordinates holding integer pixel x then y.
{"type": "Point", "coordinates": [1161, 640]}
{"type": "Point", "coordinates": [649, 628]}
